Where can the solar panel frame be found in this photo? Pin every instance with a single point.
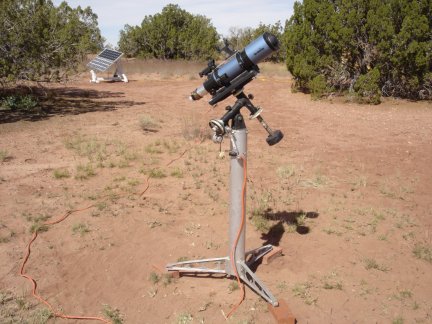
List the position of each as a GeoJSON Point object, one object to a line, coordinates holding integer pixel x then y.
{"type": "Point", "coordinates": [104, 60]}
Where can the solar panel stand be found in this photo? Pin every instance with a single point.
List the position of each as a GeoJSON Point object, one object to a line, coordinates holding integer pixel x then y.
{"type": "Point", "coordinates": [102, 62]}
{"type": "Point", "coordinates": [118, 73]}
{"type": "Point", "coordinates": [118, 76]}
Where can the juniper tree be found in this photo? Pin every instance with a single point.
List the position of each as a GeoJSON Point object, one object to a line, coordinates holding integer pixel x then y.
{"type": "Point", "coordinates": [41, 42]}
{"type": "Point", "coordinates": [367, 47]}
{"type": "Point", "coordinates": [173, 33]}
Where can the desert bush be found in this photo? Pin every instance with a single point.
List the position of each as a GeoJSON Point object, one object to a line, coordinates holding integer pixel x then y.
{"type": "Point", "coordinates": [192, 130]}
{"type": "Point", "coordinates": [42, 42]}
{"type": "Point", "coordinates": [113, 314]}
{"type": "Point", "coordinates": [367, 87]}
{"type": "Point", "coordinates": [147, 123]}
{"type": "Point", "coordinates": [318, 86]}
{"type": "Point", "coordinates": [351, 42]}
{"type": "Point", "coordinates": [61, 173]}
{"type": "Point", "coordinates": [19, 102]}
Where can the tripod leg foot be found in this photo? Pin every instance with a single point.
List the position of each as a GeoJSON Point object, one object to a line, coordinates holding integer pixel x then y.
{"type": "Point", "coordinates": [282, 313]}
{"type": "Point", "coordinates": [273, 254]}
{"type": "Point", "coordinates": [267, 252]}
{"type": "Point", "coordinates": [251, 279]}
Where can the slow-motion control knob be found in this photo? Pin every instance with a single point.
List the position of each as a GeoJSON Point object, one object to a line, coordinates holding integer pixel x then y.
{"type": "Point", "coordinates": [275, 137]}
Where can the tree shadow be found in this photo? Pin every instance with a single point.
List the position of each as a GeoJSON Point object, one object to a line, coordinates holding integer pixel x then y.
{"type": "Point", "coordinates": [293, 218]}
{"type": "Point", "coordinates": [62, 102]}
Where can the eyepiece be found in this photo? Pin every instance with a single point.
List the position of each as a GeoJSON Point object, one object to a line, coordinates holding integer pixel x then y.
{"type": "Point", "coordinates": [198, 93]}
{"type": "Point", "coordinates": [194, 96]}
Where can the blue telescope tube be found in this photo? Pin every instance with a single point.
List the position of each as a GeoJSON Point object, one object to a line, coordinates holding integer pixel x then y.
{"type": "Point", "coordinates": [245, 60]}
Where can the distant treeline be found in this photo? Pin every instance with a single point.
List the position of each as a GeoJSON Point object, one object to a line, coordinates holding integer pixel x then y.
{"type": "Point", "coordinates": [367, 48]}
{"type": "Point", "coordinates": [177, 34]}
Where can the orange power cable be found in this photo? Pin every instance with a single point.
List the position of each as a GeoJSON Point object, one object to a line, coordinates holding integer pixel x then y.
{"type": "Point", "coordinates": [168, 164]}
{"type": "Point", "coordinates": [59, 220]}
{"type": "Point", "coordinates": [34, 284]}
{"type": "Point", "coordinates": [232, 256]}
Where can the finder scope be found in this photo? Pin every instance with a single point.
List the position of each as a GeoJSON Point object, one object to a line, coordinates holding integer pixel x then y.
{"type": "Point", "coordinates": [225, 74]}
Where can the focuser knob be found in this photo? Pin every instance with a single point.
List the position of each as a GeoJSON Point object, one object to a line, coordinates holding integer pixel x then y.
{"type": "Point", "coordinates": [211, 65]}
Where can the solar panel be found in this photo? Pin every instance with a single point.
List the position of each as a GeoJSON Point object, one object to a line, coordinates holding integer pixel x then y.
{"type": "Point", "coordinates": [110, 54]}
{"type": "Point", "coordinates": [104, 60]}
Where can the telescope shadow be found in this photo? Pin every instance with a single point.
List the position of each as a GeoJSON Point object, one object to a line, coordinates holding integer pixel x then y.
{"type": "Point", "coordinates": [62, 102]}
{"type": "Point", "coordinates": [274, 235]}
{"type": "Point", "coordinates": [292, 218]}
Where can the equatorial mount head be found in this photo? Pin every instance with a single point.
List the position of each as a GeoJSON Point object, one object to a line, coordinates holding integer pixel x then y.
{"type": "Point", "coordinates": [230, 78]}
{"type": "Point", "coordinates": [220, 126]}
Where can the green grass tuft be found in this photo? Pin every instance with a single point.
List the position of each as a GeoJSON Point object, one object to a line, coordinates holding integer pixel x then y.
{"type": "Point", "coordinates": [147, 123]}
{"type": "Point", "coordinates": [303, 290]}
{"type": "Point", "coordinates": [184, 318]}
{"type": "Point", "coordinates": [423, 252]}
{"type": "Point", "coordinates": [372, 264]}
{"type": "Point", "coordinates": [177, 173]}
{"type": "Point", "coordinates": [233, 286]}
{"type": "Point", "coordinates": [113, 314]}
{"type": "Point", "coordinates": [61, 173]}
{"type": "Point", "coordinates": [4, 155]}
{"type": "Point", "coordinates": [154, 278]}
{"type": "Point", "coordinates": [80, 229]}
{"type": "Point", "coordinates": [157, 173]}
{"type": "Point", "coordinates": [84, 172]}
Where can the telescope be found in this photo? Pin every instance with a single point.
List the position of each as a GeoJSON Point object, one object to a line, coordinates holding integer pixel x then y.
{"type": "Point", "coordinates": [235, 69]}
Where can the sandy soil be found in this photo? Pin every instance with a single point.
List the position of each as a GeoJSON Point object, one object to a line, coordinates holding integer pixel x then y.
{"type": "Point", "coordinates": [346, 194]}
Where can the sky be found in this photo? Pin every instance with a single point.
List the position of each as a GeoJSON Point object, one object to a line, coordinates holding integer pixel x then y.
{"type": "Point", "coordinates": [114, 14]}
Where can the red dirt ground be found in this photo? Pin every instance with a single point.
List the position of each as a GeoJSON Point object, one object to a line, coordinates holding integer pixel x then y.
{"type": "Point", "coordinates": [348, 191]}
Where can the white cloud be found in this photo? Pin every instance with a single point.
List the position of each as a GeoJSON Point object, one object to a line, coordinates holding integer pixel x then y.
{"type": "Point", "coordinates": [114, 14]}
